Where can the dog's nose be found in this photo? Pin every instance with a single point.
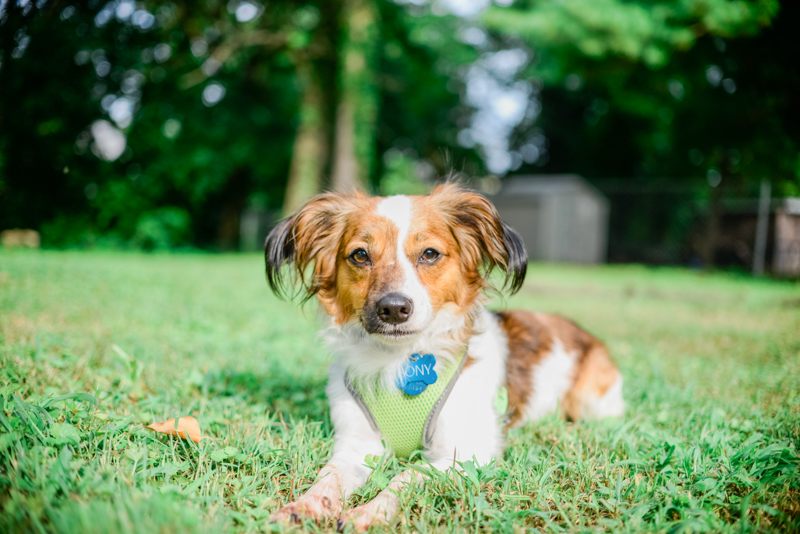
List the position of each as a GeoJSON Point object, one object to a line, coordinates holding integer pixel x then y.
{"type": "Point", "coordinates": [394, 308]}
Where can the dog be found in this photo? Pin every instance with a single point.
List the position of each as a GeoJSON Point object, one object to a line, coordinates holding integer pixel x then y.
{"type": "Point", "coordinates": [419, 364]}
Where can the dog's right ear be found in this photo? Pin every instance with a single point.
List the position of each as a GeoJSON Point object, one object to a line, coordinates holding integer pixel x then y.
{"type": "Point", "coordinates": [309, 237]}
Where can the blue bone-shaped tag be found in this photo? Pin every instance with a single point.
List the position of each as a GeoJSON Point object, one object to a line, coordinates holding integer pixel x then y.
{"type": "Point", "coordinates": [418, 374]}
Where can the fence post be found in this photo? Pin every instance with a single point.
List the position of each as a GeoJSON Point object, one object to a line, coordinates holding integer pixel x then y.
{"type": "Point", "coordinates": [762, 227]}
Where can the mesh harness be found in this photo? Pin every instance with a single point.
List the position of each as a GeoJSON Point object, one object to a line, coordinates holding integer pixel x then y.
{"type": "Point", "coordinates": [406, 422]}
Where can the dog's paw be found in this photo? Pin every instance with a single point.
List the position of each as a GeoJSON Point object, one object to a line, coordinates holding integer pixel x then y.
{"type": "Point", "coordinates": [362, 517]}
{"type": "Point", "coordinates": [310, 507]}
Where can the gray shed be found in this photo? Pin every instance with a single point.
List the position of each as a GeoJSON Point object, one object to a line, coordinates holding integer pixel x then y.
{"type": "Point", "coordinates": [561, 218]}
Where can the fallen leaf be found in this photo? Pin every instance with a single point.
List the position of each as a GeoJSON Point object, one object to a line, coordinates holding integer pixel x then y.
{"type": "Point", "coordinates": [188, 427]}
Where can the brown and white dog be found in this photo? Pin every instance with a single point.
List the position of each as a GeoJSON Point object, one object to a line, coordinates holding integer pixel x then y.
{"type": "Point", "coordinates": [407, 274]}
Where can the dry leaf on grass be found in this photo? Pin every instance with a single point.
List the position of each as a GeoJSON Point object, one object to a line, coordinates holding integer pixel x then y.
{"type": "Point", "coordinates": [188, 427]}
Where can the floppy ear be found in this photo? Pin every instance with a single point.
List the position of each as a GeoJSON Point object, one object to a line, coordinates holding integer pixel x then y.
{"type": "Point", "coordinates": [487, 241]}
{"type": "Point", "coordinates": [309, 237]}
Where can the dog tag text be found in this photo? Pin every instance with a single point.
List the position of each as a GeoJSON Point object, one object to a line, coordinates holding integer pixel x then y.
{"type": "Point", "coordinates": [418, 374]}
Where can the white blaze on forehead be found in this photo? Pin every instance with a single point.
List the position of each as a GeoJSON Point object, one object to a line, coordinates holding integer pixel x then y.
{"type": "Point", "coordinates": [399, 210]}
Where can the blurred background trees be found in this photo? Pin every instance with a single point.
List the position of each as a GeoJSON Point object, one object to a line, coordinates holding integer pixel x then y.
{"type": "Point", "coordinates": [159, 124]}
{"type": "Point", "coordinates": [684, 100]}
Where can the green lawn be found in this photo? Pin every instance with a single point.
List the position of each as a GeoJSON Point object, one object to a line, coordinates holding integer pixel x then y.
{"type": "Point", "coordinates": [712, 378]}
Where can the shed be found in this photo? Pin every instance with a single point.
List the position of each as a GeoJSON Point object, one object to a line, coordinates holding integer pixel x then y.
{"type": "Point", "coordinates": [561, 218]}
{"type": "Point", "coordinates": [786, 259]}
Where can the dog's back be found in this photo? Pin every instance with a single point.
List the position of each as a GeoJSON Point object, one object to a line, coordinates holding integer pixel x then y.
{"type": "Point", "coordinates": [554, 365]}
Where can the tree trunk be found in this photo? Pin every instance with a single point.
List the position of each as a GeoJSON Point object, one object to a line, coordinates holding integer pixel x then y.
{"type": "Point", "coordinates": [235, 200]}
{"type": "Point", "coordinates": [356, 112]}
{"type": "Point", "coordinates": [310, 148]}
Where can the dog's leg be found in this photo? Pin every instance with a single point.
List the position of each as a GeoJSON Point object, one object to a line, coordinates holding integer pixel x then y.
{"type": "Point", "coordinates": [354, 439]}
{"type": "Point", "coordinates": [345, 472]}
{"type": "Point", "coordinates": [382, 508]}
{"type": "Point", "coordinates": [323, 499]}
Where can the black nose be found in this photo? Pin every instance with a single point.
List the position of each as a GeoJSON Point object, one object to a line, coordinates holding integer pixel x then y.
{"type": "Point", "coordinates": [394, 308]}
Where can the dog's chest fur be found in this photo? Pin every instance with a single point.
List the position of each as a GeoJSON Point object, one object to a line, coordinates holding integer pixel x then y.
{"type": "Point", "coordinates": [538, 358]}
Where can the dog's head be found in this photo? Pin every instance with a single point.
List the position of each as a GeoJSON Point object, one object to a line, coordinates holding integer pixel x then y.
{"type": "Point", "coordinates": [391, 265]}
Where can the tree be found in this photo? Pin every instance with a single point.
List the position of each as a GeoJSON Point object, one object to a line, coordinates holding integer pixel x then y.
{"type": "Point", "coordinates": [160, 78]}
{"type": "Point", "coordinates": [697, 92]}
{"type": "Point", "coordinates": [357, 107]}
{"type": "Point", "coordinates": [157, 124]}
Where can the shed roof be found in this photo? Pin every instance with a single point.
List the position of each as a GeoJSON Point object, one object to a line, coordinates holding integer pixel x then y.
{"type": "Point", "coordinates": [545, 185]}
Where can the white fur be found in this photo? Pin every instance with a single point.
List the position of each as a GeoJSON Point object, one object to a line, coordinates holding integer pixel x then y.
{"type": "Point", "coordinates": [471, 403]}
{"type": "Point", "coordinates": [399, 210]}
{"type": "Point", "coordinates": [386, 357]}
{"type": "Point", "coordinates": [366, 356]}
{"type": "Point", "coordinates": [468, 425]}
{"type": "Point", "coordinates": [551, 379]}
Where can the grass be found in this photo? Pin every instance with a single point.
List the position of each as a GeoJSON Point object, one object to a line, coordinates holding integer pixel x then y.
{"type": "Point", "coordinates": [709, 444]}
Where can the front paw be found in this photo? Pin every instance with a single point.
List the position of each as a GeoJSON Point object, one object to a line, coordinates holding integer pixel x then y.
{"type": "Point", "coordinates": [361, 517]}
{"type": "Point", "coordinates": [306, 507]}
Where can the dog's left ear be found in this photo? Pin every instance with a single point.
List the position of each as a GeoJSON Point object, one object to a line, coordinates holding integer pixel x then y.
{"type": "Point", "coordinates": [485, 239]}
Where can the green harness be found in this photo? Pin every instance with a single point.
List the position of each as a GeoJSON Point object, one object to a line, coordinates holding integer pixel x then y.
{"type": "Point", "coordinates": [407, 422]}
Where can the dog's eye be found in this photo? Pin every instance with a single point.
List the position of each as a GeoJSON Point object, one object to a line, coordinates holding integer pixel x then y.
{"type": "Point", "coordinates": [359, 256]}
{"type": "Point", "coordinates": [430, 255]}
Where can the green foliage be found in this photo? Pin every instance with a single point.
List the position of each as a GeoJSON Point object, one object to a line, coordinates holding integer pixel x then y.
{"type": "Point", "coordinates": [665, 83]}
{"type": "Point", "coordinates": [400, 175]}
{"type": "Point", "coordinates": [162, 229]}
{"type": "Point", "coordinates": [63, 434]}
{"type": "Point", "coordinates": [358, 84]}
{"type": "Point", "coordinates": [208, 158]}
{"type": "Point", "coordinates": [182, 151]}
{"type": "Point", "coordinates": [641, 30]}
{"type": "Point", "coordinates": [709, 442]}
{"type": "Point", "coordinates": [133, 512]}
{"type": "Point", "coordinates": [420, 61]}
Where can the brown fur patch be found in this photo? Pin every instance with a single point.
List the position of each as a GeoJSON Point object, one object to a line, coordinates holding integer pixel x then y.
{"type": "Point", "coordinates": [530, 338]}
{"type": "Point", "coordinates": [594, 371]}
{"type": "Point", "coordinates": [594, 375]}
{"type": "Point", "coordinates": [572, 336]}
{"type": "Point", "coordinates": [473, 222]}
{"type": "Point", "coordinates": [355, 283]}
{"type": "Point", "coordinates": [449, 281]}
{"type": "Point", "coordinates": [528, 344]}
{"type": "Point", "coordinates": [453, 282]}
